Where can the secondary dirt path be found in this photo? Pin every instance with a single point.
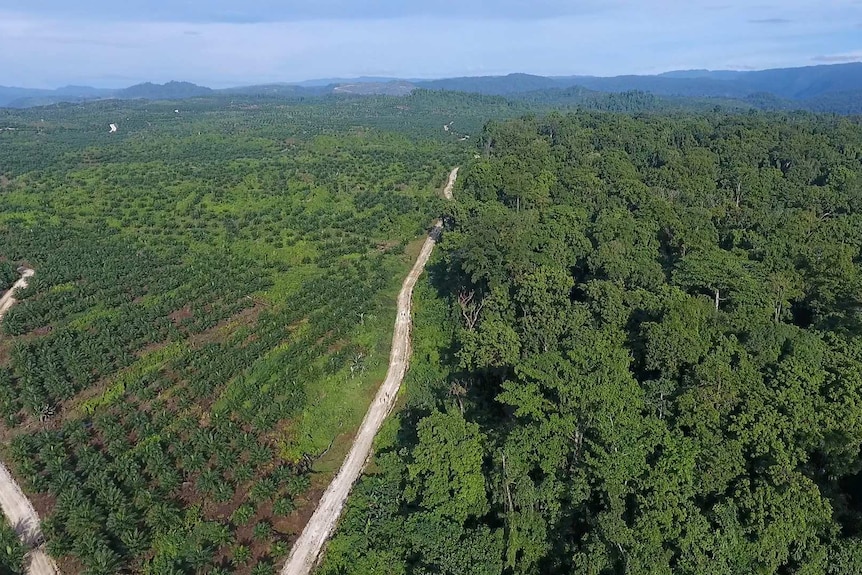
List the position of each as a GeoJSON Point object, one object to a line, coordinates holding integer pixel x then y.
{"type": "Point", "coordinates": [24, 519]}
{"type": "Point", "coordinates": [306, 551]}
{"type": "Point", "coordinates": [447, 191]}
{"type": "Point", "coordinates": [8, 299]}
{"type": "Point", "coordinates": [17, 508]}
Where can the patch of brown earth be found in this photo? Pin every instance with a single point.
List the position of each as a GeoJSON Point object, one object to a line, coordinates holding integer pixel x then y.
{"type": "Point", "coordinates": [43, 503]}
{"type": "Point", "coordinates": [179, 315]}
{"type": "Point", "coordinates": [44, 330]}
{"type": "Point", "coordinates": [70, 565]}
{"type": "Point", "coordinates": [337, 346]}
{"type": "Point", "coordinates": [386, 247]}
{"type": "Point", "coordinates": [151, 348]}
{"type": "Point", "coordinates": [244, 318]}
{"type": "Point", "coordinates": [6, 347]}
{"type": "Point", "coordinates": [293, 524]}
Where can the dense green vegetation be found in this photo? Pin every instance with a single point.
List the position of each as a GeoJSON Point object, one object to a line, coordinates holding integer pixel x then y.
{"type": "Point", "coordinates": [210, 313]}
{"type": "Point", "coordinates": [8, 275]}
{"type": "Point", "coordinates": [638, 352]}
{"type": "Point", "coordinates": [11, 550]}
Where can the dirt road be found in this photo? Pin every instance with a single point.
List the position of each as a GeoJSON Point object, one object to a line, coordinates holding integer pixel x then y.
{"type": "Point", "coordinates": [306, 551]}
{"type": "Point", "coordinates": [41, 564]}
{"type": "Point", "coordinates": [17, 508]}
{"type": "Point", "coordinates": [24, 519]}
{"type": "Point", "coordinates": [8, 300]}
{"type": "Point", "coordinates": [447, 191]}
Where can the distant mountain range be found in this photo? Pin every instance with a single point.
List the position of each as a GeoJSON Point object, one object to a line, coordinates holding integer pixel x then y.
{"type": "Point", "coordinates": [836, 88]}
{"type": "Point", "coordinates": [788, 83]}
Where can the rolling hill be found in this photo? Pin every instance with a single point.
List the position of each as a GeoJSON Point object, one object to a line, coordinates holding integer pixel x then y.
{"type": "Point", "coordinates": [827, 88]}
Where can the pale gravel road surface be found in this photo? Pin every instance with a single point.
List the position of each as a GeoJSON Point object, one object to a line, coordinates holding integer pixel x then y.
{"type": "Point", "coordinates": [307, 549]}
{"type": "Point", "coordinates": [17, 508]}
{"type": "Point", "coordinates": [41, 564]}
{"type": "Point", "coordinates": [8, 299]}
{"type": "Point", "coordinates": [447, 191]}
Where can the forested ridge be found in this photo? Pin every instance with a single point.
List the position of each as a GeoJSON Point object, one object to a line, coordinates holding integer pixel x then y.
{"type": "Point", "coordinates": [832, 88]}
{"type": "Point", "coordinates": [638, 351]}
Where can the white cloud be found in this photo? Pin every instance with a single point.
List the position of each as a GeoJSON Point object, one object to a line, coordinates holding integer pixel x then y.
{"type": "Point", "coordinates": [840, 58]}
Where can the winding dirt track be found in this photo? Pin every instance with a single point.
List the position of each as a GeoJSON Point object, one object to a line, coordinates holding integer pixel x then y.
{"type": "Point", "coordinates": [307, 549]}
{"type": "Point", "coordinates": [17, 508]}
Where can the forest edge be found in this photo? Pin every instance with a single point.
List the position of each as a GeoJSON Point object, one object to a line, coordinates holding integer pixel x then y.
{"type": "Point", "coordinates": [307, 549]}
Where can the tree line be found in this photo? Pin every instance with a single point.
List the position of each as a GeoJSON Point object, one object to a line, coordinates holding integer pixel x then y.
{"type": "Point", "coordinates": [642, 356]}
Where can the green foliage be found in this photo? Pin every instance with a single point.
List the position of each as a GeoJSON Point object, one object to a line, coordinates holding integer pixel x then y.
{"type": "Point", "coordinates": [241, 555]}
{"type": "Point", "coordinates": [183, 355]}
{"type": "Point", "coordinates": [654, 363]}
{"type": "Point", "coordinates": [8, 275]}
{"type": "Point", "coordinates": [455, 490]}
{"type": "Point", "coordinates": [11, 550]}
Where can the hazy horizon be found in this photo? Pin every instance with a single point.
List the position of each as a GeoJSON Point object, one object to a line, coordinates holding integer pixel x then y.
{"type": "Point", "coordinates": [104, 44]}
{"type": "Point", "coordinates": [413, 77]}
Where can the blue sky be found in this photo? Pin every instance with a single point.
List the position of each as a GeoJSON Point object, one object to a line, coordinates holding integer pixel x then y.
{"type": "Point", "coordinates": [112, 43]}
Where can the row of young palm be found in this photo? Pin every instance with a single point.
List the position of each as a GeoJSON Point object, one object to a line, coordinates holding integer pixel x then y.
{"type": "Point", "coordinates": [199, 290]}
{"type": "Point", "coordinates": [129, 475]}
{"type": "Point", "coordinates": [99, 302]}
{"type": "Point", "coordinates": [43, 138]}
{"type": "Point", "coordinates": [8, 275]}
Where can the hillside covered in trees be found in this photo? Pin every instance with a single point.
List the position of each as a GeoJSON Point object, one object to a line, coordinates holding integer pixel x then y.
{"type": "Point", "coordinates": [833, 88]}
{"type": "Point", "coordinates": [638, 352]}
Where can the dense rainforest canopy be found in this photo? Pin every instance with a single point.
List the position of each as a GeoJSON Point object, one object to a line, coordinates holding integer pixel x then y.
{"type": "Point", "coordinates": [639, 352]}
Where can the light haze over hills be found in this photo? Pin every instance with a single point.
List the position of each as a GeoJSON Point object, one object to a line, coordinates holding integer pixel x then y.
{"type": "Point", "coordinates": [790, 88]}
